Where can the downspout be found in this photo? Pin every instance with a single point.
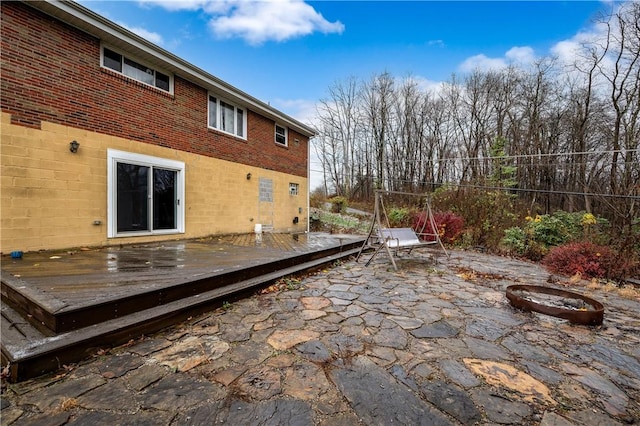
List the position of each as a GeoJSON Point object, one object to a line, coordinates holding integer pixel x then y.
{"type": "Point", "coordinates": [308, 184]}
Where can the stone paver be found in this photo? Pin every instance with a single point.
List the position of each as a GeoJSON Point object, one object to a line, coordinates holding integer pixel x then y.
{"type": "Point", "coordinates": [436, 343]}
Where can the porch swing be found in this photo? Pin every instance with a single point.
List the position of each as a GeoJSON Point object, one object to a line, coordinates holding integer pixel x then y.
{"type": "Point", "coordinates": [393, 240]}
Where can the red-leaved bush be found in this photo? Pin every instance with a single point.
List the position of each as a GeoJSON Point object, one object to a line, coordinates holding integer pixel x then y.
{"type": "Point", "coordinates": [449, 225]}
{"type": "Point", "coordinates": [585, 258]}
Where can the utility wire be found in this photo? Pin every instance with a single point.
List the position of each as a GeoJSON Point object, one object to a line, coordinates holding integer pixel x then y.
{"type": "Point", "coordinates": [507, 157]}
{"type": "Point", "coordinates": [547, 191]}
{"type": "Point", "coordinates": [502, 188]}
{"type": "Point", "coordinates": [525, 190]}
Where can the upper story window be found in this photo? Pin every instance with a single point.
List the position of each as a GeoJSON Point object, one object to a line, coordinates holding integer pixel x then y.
{"type": "Point", "coordinates": [227, 117]}
{"type": "Point", "coordinates": [127, 66]}
{"type": "Point", "coordinates": [281, 135]}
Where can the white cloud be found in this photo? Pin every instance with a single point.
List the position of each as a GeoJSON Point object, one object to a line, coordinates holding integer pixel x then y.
{"type": "Point", "coordinates": [572, 50]}
{"type": "Point", "coordinates": [153, 37]}
{"type": "Point", "coordinates": [144, 33]}
{"type": "Point", "coordinates": [439, 43]}
{"type": "Point", "coordinates": [576, 54]}
{"type": "Point", "coordinates": [303, 110]}
{"type": "Point", "coordinates": [483, 63]}
{"type": "Point", "coordinates": [426, 85]}
{"type": "Point", "coordinates": [257, 21]}
{"type": "Point", "coordinates": [518, 55]}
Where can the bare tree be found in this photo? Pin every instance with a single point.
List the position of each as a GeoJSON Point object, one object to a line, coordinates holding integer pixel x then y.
{"type": "Point", "coordinates": [339, 121]}
{"type": "Point", "coordinates": [622, 72]}
{"type": "Point", "coordinates": [572, 133]}
{"type": "Point", "coordinates": [378, 97]}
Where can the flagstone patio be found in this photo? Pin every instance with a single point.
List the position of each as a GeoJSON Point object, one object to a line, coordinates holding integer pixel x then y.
{"type": "Point", "coordinates": [433, 344]}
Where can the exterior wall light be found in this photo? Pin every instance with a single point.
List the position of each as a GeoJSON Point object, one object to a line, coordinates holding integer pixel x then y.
{"type": "Point", "coordinates": [73, 146]}
{"type": "Point", "coordinates": [248, 176]}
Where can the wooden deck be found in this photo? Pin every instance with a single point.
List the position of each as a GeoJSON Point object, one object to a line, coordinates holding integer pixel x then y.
{"type": "Point", "coordinates": [56, 305]}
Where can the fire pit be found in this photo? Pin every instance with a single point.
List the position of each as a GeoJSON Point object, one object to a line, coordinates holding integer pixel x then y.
{"type": "Point", "coordinates": [576, 308]}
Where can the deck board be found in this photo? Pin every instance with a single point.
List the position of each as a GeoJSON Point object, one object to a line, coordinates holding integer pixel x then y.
{"type": "Point", "coordinates": [61, 283]}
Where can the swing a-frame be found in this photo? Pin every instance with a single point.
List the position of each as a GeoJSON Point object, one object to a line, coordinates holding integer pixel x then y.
{"type": "Point", "coordinates": [392, 240]}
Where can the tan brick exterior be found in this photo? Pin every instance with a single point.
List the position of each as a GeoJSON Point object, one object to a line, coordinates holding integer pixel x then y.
{"type": "Point", "coordinates": [51, 197]}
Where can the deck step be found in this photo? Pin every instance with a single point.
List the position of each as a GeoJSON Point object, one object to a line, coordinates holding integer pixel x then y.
{"type": "Point", "coordinates": [31, 353]}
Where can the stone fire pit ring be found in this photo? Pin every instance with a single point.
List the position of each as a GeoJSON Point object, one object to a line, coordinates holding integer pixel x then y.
{"type": "Point", "coordinates": [578, 309]}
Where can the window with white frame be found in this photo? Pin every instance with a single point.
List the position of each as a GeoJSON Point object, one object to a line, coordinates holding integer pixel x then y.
{"type": "Point", "coordinates": [145, 195]}
{"type": "Point", "coordinates": [227, 117]}
{"type": "Point", "coordinates": [294, 188]}
{"type": "Point", "coordinates": [281, 135]}
{"type": "Point", "coordinates": [135, 70]}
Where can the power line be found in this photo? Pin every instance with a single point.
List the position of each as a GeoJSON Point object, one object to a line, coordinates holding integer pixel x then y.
{"type": "Point", "coordinates": [547, 191]}
{"type": "Point", "coordinates": [524, 190]}
{"type": "Point", "coordinates": [543, 191]}
{"type": "Point", "coordinates": [506, 157]}
{"type": "Point", "coordinates": [540, 155]}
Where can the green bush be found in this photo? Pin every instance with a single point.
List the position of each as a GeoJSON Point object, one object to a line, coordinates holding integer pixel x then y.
{"type": "Point", "coordinates": [518, 241]}
{"type": "Point", "coordinates": [338, 204]}
{"type": "Point", "coordinates": [571, 223]}
{"type": "Point", "coordinates": [543, 232]}
{"type": "Point", "coordinates": [399, 217]}
{"type": "Point", "coordinates": [550, 231]}
{"type": "Point", "coordinates": [514, 240]}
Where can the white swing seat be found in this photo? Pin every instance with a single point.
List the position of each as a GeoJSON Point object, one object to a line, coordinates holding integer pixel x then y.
{"type": "Point", "coordinates": [402, 238]}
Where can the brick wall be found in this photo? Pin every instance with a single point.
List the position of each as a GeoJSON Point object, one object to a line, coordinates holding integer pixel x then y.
{"type": "Point", "coordinates": [51, 72]}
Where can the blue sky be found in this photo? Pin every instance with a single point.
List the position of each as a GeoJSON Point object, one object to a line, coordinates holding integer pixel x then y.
{"type": "Point", "coordinates": [289, 52]}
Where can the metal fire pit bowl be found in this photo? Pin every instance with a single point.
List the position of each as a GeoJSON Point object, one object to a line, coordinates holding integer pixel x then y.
{"type": "Point", "coordinates": [592, 315]}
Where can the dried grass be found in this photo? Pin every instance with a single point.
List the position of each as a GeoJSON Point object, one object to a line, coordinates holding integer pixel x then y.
{"type": "Point", "coordinates": [629, 292]}
{"type": "Point", "coordinates": [69, 404]}
{"type": "Point", "coordinates": [626, 291]}
{"type": "Point", "coordinates": [445, 296]}
{"type": "Point", "coordinates": [594, 284]}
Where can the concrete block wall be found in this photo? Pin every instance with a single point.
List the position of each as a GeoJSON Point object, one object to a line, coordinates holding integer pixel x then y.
{"type": "Point", "coordinates": [50, 197]}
